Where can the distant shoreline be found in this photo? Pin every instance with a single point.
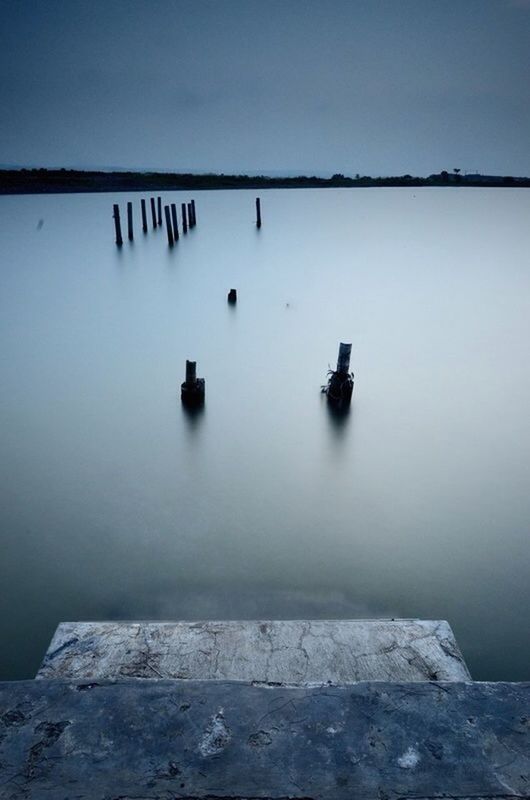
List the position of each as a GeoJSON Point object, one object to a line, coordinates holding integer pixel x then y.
{"type": "Point", "coordinates": [44, 181]}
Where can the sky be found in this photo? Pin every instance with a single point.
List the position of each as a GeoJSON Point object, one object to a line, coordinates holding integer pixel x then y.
{"type": "Point", "coordinates": [376, 87]}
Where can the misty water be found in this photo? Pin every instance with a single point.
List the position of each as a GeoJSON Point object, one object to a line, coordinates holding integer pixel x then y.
{"type": "Point", "coordinates": [116, 504]}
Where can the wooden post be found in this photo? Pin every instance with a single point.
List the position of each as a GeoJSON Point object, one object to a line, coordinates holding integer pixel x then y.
{"type": "Point", "coordinates": [232, 296]}
{"type": "Point", "coordinates": [184, 221]}
{"type": "Point", "coordinates": [343, 361]}
{"type": "Point", "coordinates": [153, 211]}
{"type": "Point", "coordinates": [159, 201]}
{"type": "Point", "coordinates": [194, 214]}
{"type": "Point", "coordinates": [174, 221]}
{"type": "Point", "coordinates": [190, 216]}
{"type": "Point", "coordinates": [193, 389]}
{"type": "Point", "coordinates": [144, 217]}
{"type": "Point", "coordinates": [168, 226]}
{"type": "Point", "coordinates": [258, 212]}
{"type": "Point", "coordinates": [130, 233]}
{"type": "Point", "coordinates": [191, 372]}
{"type": "Point", "coordinates": [117, 224]}
{"type": "Point", "coordinates": [339, 388]}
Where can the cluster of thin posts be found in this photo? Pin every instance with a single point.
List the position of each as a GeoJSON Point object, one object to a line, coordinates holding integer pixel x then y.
{"type": "Point", "coordinates": [188, 217]}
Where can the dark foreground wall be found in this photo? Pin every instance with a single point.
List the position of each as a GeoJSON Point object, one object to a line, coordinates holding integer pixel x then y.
{"type": "Point", "coordinates": [157, 740]}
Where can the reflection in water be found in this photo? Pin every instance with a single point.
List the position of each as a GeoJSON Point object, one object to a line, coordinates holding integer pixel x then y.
{"type": "Point", "coordinates": [171, 255]}
{"type": "Point", "coordinates": [338, 422]}
{"type": "Point", "coordinates": [119, 256]}
{"type": "Point", "coordinates": [338, 417]}
{"type": "Point", "coordinates": [160, 601]}
{"type": "Point", "coordinates": [193, 417]}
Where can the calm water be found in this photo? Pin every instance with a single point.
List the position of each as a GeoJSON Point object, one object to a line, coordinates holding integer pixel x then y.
{"type": "Point", "coordinates": [115, 504]}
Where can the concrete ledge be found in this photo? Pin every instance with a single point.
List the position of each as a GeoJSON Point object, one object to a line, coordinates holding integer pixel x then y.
{"type": "Point", "coordinates": [284, 652]}
{"type": "Point", "coordinates": [159, 740]}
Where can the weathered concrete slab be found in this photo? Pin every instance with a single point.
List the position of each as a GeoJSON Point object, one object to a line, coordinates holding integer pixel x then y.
{"type": "Point", "coordinates": [284, 652]}
{"type": "Point", "coordinates": [159, 740]}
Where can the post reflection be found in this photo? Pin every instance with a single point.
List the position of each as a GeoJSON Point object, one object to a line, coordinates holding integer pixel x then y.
{"type": "Point", "coordinates": [339, 421]}
{"type": "Point", "coordinates": [193, 418]}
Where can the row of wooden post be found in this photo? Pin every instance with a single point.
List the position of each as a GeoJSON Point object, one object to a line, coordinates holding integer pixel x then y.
{"type": "Point", "coordinates": [189, 219]}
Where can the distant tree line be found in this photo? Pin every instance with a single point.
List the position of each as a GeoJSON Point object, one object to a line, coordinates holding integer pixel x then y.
{"type": "Point", "coordinates": [70, 180]}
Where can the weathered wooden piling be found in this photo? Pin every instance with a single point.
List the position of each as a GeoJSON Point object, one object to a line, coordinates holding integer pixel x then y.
{"type": "Point", "coordinates": [174, 220]}
{"type": "Point", "coordinates": [232, 296]}
{"type": "Point", "coordinates": [194, 214]}
{"type": "Point", "coordinates": [193, 389]}
{"type": "Point", "coordinates": [169, 227]}
{"type": "Point", "coordinates": [190, 216]}
{"type": "Point", "coordinates": [191, 372]}
{"type": "Point", "coordinates": [184, 220]}
{"type": "Point", "coordinates": [153, 211]}
{"type": "Point", "coordinates": [144, 217]}
{"type": "Point", "coordinates": [159, 201]}
{"type": "Point", "coordinates": [258, 212]}
{"type": "Point", "coordinates": [343, 361]}
{"type": "Point", "coordinates": [117, 224]}
{"type": "Point", "coordinates": [339, 388]}
{"type": "Point", "coordinates": [130, 232]}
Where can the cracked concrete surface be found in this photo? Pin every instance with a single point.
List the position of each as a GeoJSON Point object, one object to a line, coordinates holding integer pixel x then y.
{"type": "Point", "coordinates": [161, 740]}
{"type": "Point", "coordinates": [282, 710]}
{"type": "Point", "coordinates": [298, 652]}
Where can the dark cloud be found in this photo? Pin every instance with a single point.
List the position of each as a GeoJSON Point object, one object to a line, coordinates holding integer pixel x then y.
{"type": "Point", "coordinates": [374, 86]}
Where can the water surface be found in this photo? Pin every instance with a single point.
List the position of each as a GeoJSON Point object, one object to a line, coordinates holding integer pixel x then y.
{"type": "Point", "coordinates": [116, 504]}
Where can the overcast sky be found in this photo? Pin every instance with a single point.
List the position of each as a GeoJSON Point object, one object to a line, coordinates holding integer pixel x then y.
{"type": "Point", "coordinates": [315, 86]}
